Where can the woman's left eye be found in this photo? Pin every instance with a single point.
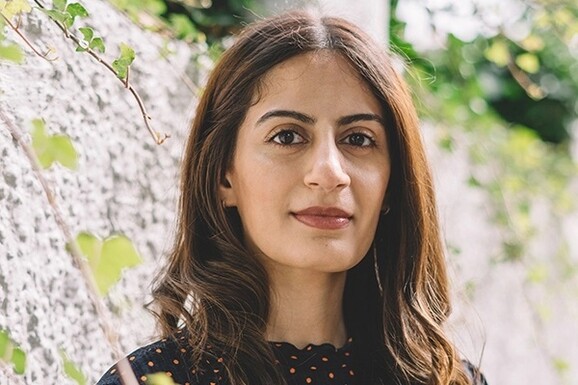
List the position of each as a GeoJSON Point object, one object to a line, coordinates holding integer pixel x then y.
{"type": "Point", "coordinates": [359, 140]}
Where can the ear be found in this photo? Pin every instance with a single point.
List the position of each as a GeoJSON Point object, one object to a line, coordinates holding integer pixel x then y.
{"type": "Point", "coordinates": [227, 193]}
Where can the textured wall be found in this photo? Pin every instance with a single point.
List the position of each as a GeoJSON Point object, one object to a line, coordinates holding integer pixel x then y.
{"type": "Point", "coordinates": [124, 184]}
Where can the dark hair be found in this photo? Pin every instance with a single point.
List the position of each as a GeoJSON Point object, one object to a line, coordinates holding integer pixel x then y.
{"type": "Point", "coordinates": [219, 291]}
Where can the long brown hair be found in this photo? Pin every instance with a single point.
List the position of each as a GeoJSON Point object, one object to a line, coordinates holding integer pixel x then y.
{"type": "Point", "coordinates": [219, 292]}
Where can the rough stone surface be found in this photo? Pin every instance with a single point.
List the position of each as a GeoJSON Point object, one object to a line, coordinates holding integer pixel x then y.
{"type": "Point", "coordinates": [124, 184]}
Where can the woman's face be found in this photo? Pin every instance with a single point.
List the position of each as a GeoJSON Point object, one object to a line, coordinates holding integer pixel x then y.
{"type": "Point", "coordinates": [311, 166]}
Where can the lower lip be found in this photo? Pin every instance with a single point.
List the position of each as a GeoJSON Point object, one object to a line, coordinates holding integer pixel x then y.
{"type": "Point", "coordinates": [323, 222]}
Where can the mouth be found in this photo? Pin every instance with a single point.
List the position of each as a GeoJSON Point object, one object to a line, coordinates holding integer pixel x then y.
{"type": "Point", "coordinates": [325, 218]}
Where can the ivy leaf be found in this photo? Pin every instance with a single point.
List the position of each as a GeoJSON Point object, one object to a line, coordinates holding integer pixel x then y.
{"type": "Point", "coordinates": [528, 62]}
{"type": "Point", "coordinates": [87, 33]}
{"type": "Point", "coordinates": [71, 370]}
{"type": "Point", "coordinates": [97, 44]}
{"type": "Point", "coordinates": [125, 59]}
{"type": "Point", "coordinates": [159, 379]}
{"type": "Point", "coordinates": [11, 52]}
{"type": "Point", "coordinates": [11, 353]}
{"type": "Point", "coordinates": [57, 15]}
{"type": "Point", "coordinates": [74, 10]}
{"type": "Point", "coordinates": [52, 148]}
{"type": "Point", "coordinates": [14, 7]}
{"type": "Point", "coordinates": [108, 258]}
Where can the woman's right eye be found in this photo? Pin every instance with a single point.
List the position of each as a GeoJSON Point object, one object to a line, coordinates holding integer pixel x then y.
{"type": "Point", "coordinates": [287, 138]}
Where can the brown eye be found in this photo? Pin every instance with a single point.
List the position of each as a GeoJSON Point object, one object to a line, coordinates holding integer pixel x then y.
{"type": "Point", "coordinates": [287, 138]}
{"type": "Point", "coordinates": [359, 140]}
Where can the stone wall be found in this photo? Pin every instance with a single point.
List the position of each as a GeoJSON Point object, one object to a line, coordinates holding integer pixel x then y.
{"type": "Point", "coordinates": [124, 183]}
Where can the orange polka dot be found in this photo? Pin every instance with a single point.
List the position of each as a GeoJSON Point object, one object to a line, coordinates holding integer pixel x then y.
{"type": "Point", "coordinates": [216, 370]}
{"type": "Point", "coordinates": [183, 350]}
{"type": "Point", "coordinates": [347, 354]}
{"type": "Point", "coordinates": [351, 373]}
{"type": "Point", "coordinates": [309, 348]}
{"type": "Point", "coordinates": [176, 362]}
{"type": "Point", "coordinates": [293, 357]}
{"type": "Point", "coordinates": [292, 370]}
{"type": "Point", "coordinates": [212, 383]}
{"type": "Point", "coordinates": [143, 378]}
{"type": "Point", "coordinates": [344, 365]}
{"type": "Point", "coordinates": [150, 363]}
{"type": "Point", "coordinates": [113, 371]}
{"type": "Point", "coordinates": [158, 350]}
{"type": "Point", "coordinates": [313, 368]}
{"type": "Point", "coordinates": [131, 358]}
{"type": "Point", "coordinates": [331, 375]}
{"type": "Point", "coordinates": [169, 374]}
{"type": "Point", "coordinates": [308, 380]}
{"type": "Point", "coordinates": [324, 359]}
{"type": "Point", "coordinates": [220, 359]}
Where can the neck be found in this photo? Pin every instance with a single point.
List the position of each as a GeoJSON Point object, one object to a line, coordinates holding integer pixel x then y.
{"type": "Point", "coordinates": [306, 308]}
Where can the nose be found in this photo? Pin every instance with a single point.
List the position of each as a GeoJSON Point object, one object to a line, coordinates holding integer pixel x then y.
{"type": "Point", "coordinates": [326, 169]}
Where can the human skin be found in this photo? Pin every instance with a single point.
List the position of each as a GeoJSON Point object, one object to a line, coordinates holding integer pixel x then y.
{"type": "Point", "coordinates": [308, 178]}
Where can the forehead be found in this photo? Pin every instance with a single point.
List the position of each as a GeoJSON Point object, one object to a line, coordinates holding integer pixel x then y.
{"type": "Point", "coordinates": [310, 69]}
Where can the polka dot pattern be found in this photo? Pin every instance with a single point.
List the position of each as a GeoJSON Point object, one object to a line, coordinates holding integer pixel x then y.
{"type": "Point", "coordinates": [312, 365]}
{"type": "Point", "coordinates": [315, 364]}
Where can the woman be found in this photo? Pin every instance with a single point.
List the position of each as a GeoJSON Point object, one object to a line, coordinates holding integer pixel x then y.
{"type": "Point", "coordinates": [308, 248]}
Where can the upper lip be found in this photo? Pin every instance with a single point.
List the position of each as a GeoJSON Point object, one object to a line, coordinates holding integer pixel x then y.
{"type": "Point", "coordinates": [324, 212]}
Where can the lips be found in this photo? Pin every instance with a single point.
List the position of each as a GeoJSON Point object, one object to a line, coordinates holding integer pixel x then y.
{"type": "Point", "coordinates": [325, 218]}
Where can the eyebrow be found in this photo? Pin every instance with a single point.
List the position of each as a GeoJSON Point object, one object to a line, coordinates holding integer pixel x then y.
{"type": "Point", "coordinates": [344, 120]}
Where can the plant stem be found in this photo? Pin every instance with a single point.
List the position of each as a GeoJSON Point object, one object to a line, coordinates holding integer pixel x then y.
{"type": "Point", "coordinates": [158, 137]}
{"type": "Point", "coordinates": [28, 43]}
{"type": "Point", "coordinates": [127, 376]}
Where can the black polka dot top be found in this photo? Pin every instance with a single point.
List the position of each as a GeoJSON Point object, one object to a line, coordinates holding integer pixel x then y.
{"type": "Point", "coordinates": [314, 364]}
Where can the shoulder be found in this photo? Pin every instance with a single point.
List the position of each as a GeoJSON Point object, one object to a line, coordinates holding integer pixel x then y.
{"type": "Point", "coordinates": [170, 356]}
{"type": "Point", "coordinates": [474, 373]}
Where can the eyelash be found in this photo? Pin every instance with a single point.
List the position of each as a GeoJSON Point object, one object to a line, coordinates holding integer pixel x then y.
{"type": "Point", "coordinates": [272, 140]}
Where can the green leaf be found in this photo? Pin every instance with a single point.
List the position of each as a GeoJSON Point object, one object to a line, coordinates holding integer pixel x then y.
{"type": "Point", "coordinates": [11, 52]}
{"type": "Point", "coordinates": [72, 371]}
{"type": "Point", "coordinates": [97, 44]}
{"type": "Point", "coordinates": [60, 16]}
{"type": "Point", "coordinates": [65, 154]}
{"type": "Point", "coordinates": [4, 344]}
{"type": "Point", "coordinates": [19, 360]}
{"type": "Point", "coordinates": [159, 379]}
{"type": "Point", "coordinates": [11, 353]}
{"type": "Point", "coordinates": [55, 148]}
{"type": "Point", "coordinates": [59, 4]}
{"type": "Point", "coordinates": [528, 62]}
{"type": "Point", "coordinates": [184, 27]}
{"type": "Point", "coordinates": [125, 59]}
{"type": "Point", "coordinates": [108, 258]}
{"type": "Point", "coordinates": [74, 10]}
{"type": "Point", "coordinates": [14, 7]}
{"type": "Point", "coordinates": [91, 247]}
{"type": "Point", "coordinates": [87, 33]}
{"type": "Point", "coordinates": [498, 53]}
